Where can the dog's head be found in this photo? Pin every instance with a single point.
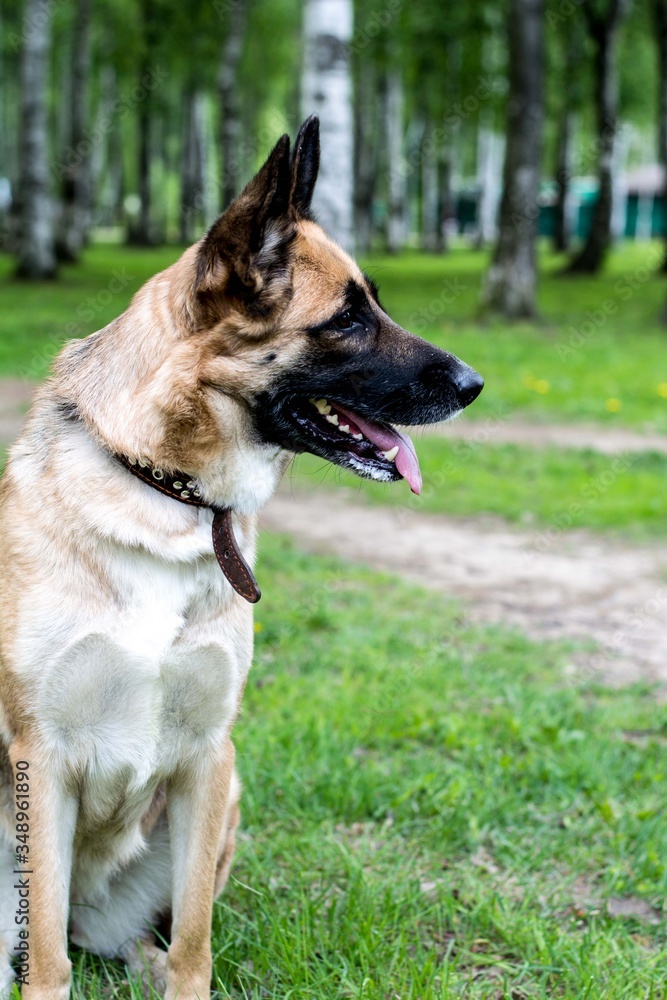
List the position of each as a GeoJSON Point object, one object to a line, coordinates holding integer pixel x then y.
{"type": "Point", "coordinates": [293, 328]}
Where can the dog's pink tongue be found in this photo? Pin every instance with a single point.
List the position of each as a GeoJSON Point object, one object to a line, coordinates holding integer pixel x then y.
{"type": "Point", "coordinates": [386, 438]}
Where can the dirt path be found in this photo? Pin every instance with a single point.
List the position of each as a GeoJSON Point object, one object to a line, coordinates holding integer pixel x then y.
{"type": "Point", "coordinates": [581, 587]}
{"type": "Point", "coordinates": [15, 396]}
{"type": "Point", "coordinates": [609, 441]}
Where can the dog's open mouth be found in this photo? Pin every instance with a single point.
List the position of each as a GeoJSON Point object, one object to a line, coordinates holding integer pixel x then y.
{"type": "Point", "coordinates": [371, 449]}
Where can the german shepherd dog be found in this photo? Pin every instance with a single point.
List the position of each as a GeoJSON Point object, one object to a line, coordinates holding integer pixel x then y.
{"type": "Point", "coordinates": [124, 650]}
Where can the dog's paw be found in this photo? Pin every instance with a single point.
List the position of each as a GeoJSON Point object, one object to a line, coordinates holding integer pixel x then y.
{"type": "Point", "coordinates": [144, 959]}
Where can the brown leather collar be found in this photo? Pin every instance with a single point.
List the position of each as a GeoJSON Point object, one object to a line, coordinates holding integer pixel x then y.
{"type": "Point", "coordinates": [185, 490]}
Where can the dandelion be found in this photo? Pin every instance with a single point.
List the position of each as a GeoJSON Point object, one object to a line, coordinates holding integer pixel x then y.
{"type": "Point", "coordinates": [542, 386]}
{"type": "Point", "coordinates": [613, 405]}
{"type": "Point", "coordinates": [529, 381]}
{"type": "Point", "coordinates": [258, 626]}
{"type": "Point", "coordinates": [662, 390]}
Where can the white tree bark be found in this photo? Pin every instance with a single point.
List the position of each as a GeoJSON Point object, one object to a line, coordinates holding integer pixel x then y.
{"type": "Point", "coordinates": [230, 104]}
{"type": "Point", "coordinates": [77, 172]}
{"type": "Point", "coordinates": [490, 155]}
{"type": "Point", "coordinates": [327, 91]}
{"type": "Point", "coordinates": [396, 222]}
{"type": "Point", "coordinates": [36, 254]}
{"type": "Point", "coordinates": [193, 160]}
{"type": "Point", "coordinates": [510, 282]}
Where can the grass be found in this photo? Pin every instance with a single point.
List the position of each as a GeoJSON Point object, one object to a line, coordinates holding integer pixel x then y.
{"type": "Point", "coordinates": [531, 369]}
{"type": "Point", "coordinates": [542, 489]}
{"type": "Point", "coordinates": [38, 319]}
{"type": "Point", "coordinates": [618, 363]}
{"type": "Point", "coordinates": [578, 363]}
{"type": "Point", "coordinates": [433, 810]}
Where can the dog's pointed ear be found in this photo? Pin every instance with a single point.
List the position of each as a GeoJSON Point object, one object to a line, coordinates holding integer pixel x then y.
{"type": "Point", "coordinates": [305, 166]}
{"type": "Point", "coordinates": [257, 219]}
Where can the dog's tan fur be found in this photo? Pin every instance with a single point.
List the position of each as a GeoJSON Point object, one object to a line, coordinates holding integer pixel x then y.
{"type": "Point", "coordinates": [124, 651]}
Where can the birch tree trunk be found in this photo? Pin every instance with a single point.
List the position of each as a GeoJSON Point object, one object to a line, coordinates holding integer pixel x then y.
{"type": "Point", "coordinates": [491, 148]}
{"type": "Point", "coordinates": [327, 91]}
{"type": "Point", "coordinates": [572, 99]}
{"type": "Point", "coordinates": [660, 22]}
{"type": "Point", "coordinates": [365, 156]}
{"type": "Point", "coordinates": [77, 173]}
{"type": "Point", "coordinates": [141, 230]}
{"type": "Point", "coordinates": [193, 158]}
{"type": "Point", "coordinates": [512, 277]}
{"type": "Point", "coordinates": [562, 233]}
{"type": "Point", "coordinates": [603, 30]}
{"type": "Point", "coordinates": [230, 104]}
{"type": "Point", "coordinates": [107, 170]}
{"type": "Point", "coordinates": [36, 253]}
{"type": "Point", "coordinates": [436, 193]}
{"type": "Point", "coordinates": [396, 227]}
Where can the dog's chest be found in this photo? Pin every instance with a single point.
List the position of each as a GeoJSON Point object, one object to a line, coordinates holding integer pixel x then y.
{"type": "Point", "coordinates": [147, 688]}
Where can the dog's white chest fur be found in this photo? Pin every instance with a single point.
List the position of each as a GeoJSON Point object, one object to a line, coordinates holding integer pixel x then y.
{"type": "Point", "coordinates": [145, 687]}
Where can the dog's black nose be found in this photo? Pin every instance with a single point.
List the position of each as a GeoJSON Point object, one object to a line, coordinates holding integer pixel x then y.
{"type": "Point", "coordinates": [468, 386]}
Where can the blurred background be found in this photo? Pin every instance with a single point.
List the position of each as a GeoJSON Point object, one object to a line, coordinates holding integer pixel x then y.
{"type": "Point", "coordinates": [138, 120]}
{"type": "Point", "coordinates": [453, 737]}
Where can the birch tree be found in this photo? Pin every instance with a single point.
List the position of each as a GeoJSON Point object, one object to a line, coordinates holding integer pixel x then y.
{"type": "Point", "coordinates": [327, 91]}
{"type": "Point", "coordinates": [511, 280]}
{"type": "Point", "coordinates": [660, 23]}
{"type": "Point", "coordinates": [396, 175]}
{"type": "Point", "coordinates": [76, 167]}
{"type": "Point", "coordinates": [36, 253]}
{"type": "Point", "coordinates": [603, 20]}
{"type": "Point", "coordinates": [230, 103]}
{"type": "Point", "coordinates": [193, 160]}
{"type": "Point", "coordinates": [568, 55]}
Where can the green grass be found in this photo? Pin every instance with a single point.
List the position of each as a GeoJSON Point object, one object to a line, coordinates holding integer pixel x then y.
{"type": "Point", "coordinates": [545, 489]}
{"type": "Point", "coordinates": [530, 368]}
{"type": "Point", "coordinates": [567, 366]}
{"type": "Point", "coordinates": [38, 319]}
{"type": "Point", "coordinates": [433, 810]}
{"type": "Point", "coordinates": [532, 371]}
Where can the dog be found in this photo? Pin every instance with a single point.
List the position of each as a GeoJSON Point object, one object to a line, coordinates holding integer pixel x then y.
{"type": "Point", "coordinates": [127, 538]}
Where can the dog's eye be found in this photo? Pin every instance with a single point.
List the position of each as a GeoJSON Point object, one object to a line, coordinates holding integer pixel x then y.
{"type": "Point", "coordinates": [344, 321]}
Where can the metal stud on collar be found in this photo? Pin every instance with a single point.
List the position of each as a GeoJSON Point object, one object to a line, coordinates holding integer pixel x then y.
{"type": "Point", "coordinates": [228, 554]}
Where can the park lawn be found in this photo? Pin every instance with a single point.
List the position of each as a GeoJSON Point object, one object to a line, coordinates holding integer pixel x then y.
{"type": "Point", "coordinates": [578, 362]}
{"type": "Point", "coordinates": [625, 360]}
{"type": "Point", "coordinates": [548, 490]}
{"type": "Point", "coordinates": [36, 319]}
{"type": "Point", "coordinates": [613, 375]}
{"type": "Point", "coordinates": [432, 809]}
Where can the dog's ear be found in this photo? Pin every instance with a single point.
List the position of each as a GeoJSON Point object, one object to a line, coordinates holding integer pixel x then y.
{"type": "Point", "coordinates": [305, 166]}
{"type": "Point", "coordinates": [241, 245]}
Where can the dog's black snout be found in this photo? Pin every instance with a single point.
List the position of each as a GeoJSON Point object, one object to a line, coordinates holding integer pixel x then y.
{"type": "Point", "coordinates": [468, 386]}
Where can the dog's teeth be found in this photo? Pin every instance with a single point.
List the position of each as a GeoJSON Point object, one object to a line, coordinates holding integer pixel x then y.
{"type": "Point", "coordinates": [333, 419]}
{"type": "Point", "coordinates": [358, 437]}
{"type": "Point", "coordinates": [321, 405]}
{"type": "Point", "coordinates": [344, 427]}
{"type": "Point", "coordinates": [391, 454]}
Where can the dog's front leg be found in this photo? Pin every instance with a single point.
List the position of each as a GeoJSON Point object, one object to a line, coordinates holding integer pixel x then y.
{"type": "Point", "coordinates": [49, 828]}
{"type": "Point", "coordinates": [196, 805]}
